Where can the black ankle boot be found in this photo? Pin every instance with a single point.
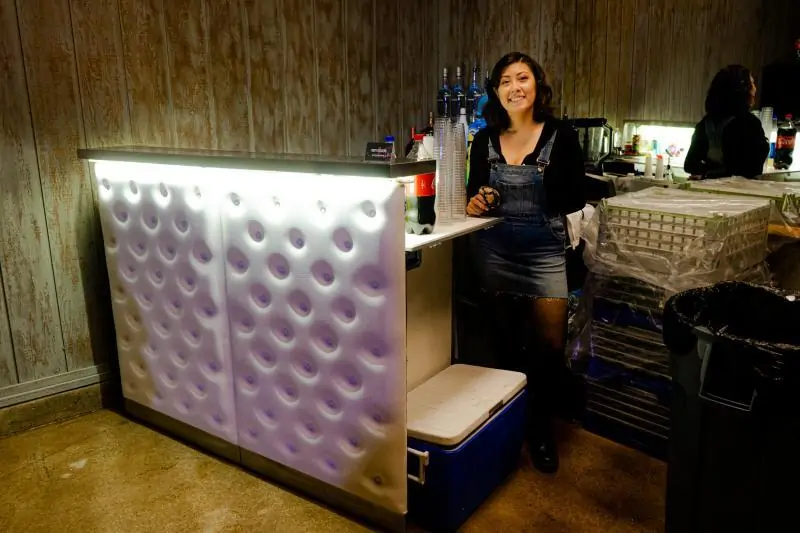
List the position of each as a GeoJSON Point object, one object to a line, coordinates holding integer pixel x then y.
{"type": "Point", "coordinates": [544, 454]}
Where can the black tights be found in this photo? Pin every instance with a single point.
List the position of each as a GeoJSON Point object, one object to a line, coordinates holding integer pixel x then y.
{"type": "Point", "coordinates": [531, 338]}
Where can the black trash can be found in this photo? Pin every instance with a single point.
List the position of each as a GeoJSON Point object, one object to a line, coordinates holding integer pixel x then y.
{"type": "Point", "coordinates": [734, 445]}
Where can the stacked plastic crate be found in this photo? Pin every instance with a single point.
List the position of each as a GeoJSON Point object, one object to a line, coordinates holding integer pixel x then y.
{"type": "Point", "coordinates": [641, 248]}
{"type": "Point", "coordinates": [784, 196]}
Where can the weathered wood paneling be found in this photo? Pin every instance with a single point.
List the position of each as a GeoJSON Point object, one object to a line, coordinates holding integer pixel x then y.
{"type": "Point", "coordinates": [621, 59]}
{"type": "Point", "coordinates": [641, 25]}
{"type": "Point", "coordinates": [360, 36]}
{"type": "Point", "coordinates": [569, 49]}
{"type": "Point", "coordinates": [388, 54]}
{"type": "Point", "coordinates": [27, 292]}
{"type": "Point", "coordinates": [584, 84]}
{"type": "Point", "coordinates": [186, 23]}
{"type": "Point", "coordinates": [624, 80]}
{"type": "Point", "coordinates": [101, 72]}
{"type": "Point", "coordinates": [597, 58]}
{"type": "Point", "coordinates": [686, 89]}
{"type": "Point", "coordinates": [47, 45]}
{"type": "Point", "coordinates": [227, 69]}
{"type": "Point", "coordinates": [473, 36]}
{"type": "Point", "coordinates": [418, 53]}
{"type": "Point", "coordinates": [613, 59]}
{"type": "Point", "coordinates": [431, 51]}
{"type": "Point", "coordinates": [8, 367]}
{"type": "Point", "coordinates": [454, 20]}
{"type": "Point", "coordinates": [300, 79]}
{"type": "Point", "coordinates": [549, 49]}
{"type": "Point", "coordinates": [657, 73]}
{"type": "Point", "coordinates": [669, 105]}
{"type": "Point", "coordinates": [526, 26]}
{"type": "Point", "coordinates": [714, 54]}
{"type": "Point", "coordinates": [500, 32]}
{"type": "Point", "coordinates": [266, 50]}
{"type": "Point", "coordinates": [331, 76]}
{"type": "Point", "coordinates": [106, 119]}
{"type": "Point", "coordinates": [147, 72]}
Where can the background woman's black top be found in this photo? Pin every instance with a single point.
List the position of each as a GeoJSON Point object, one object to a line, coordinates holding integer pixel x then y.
{"type": "Point", "coordinates": [563, 178]}
{"type": "Point", "coordinates": [744, 148]}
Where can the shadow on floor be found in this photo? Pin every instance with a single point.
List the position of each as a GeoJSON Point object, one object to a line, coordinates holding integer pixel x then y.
{"type": "Point", "coordinates": [102, 473]}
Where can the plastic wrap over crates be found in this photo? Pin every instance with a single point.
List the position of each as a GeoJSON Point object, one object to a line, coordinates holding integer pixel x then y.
{"type": "Point", "coordinates": [675, 239]}
{"type": "Point", "coordinates": [628, 184]}
{"type": "Point", "coordinates": [625, 302]}
{"type": "Point", "coordinates": [784, 218]}
{"type": "Point", "coordinates": [618, 348]}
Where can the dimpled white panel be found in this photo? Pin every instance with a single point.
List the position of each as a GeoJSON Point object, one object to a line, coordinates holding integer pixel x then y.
{"type": "Point", "coordinates": [162, 233]}
{"type": "Point", "coordinates": [316, 299]}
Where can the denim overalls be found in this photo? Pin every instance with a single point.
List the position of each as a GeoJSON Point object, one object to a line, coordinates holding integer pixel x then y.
{"type": "Point", "coordinates": [525, 254]}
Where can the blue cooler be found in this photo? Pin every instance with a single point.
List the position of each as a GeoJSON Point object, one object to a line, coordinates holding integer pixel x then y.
{"type": "Point", "coordinates": [466, 427]}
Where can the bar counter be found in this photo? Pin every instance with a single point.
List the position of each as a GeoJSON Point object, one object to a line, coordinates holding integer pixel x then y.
{"type": "Point", "coordinates": [264, 311]}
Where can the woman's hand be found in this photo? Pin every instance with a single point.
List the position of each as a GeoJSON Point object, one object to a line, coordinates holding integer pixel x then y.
{"type": "Point", "coordinates": [477, 206]}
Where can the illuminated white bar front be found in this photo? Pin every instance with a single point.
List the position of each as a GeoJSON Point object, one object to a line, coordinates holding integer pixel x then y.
{"type": "Point", "coordinates": [267, 309]}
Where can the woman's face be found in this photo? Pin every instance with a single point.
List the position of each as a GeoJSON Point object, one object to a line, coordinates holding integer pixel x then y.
{"type": "Point", "coordinates": [517, 88]}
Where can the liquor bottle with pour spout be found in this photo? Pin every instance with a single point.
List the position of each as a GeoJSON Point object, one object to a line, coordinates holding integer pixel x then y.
{"type": "Point", "coordinates": [459, 96]}
{"type": "Point", "coordinates": [443, 99]}
{"type": "Point", "coordinates": [474, 94]}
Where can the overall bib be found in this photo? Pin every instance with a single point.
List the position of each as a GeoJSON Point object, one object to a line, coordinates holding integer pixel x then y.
{"type": "Point", "coordinates": [525, 254]}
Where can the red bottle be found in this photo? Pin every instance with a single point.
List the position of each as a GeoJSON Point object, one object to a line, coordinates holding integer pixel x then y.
{"type": "Point", "coordinates": [784, 146]}
{"type": "Point", "coordinates": [420, 197]}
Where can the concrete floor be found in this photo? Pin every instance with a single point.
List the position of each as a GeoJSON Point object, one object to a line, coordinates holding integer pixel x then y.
{"type": "Point", "coordinates": [104, 473]}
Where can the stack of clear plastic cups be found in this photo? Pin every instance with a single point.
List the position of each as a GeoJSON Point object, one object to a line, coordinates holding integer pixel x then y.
{"type": "Point", "coordinates": [458, 189]}
{"type": "Point", "coordinates": [766, 120]}
{"type": "Point", "coordinates": [450, 170]}
{"type": "Point", "coordinates": [442, 134]}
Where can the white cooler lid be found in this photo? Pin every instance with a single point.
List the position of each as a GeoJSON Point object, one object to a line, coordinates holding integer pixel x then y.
{"type": "Point", "coordinates": [447, 408]}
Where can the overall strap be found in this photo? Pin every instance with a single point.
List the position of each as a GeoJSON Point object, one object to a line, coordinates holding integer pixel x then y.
{"type": "Point", "coordinates": [544, 156]}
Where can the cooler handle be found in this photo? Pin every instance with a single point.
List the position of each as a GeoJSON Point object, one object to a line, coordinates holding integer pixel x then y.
{"type": "Point", "coordinates": [424, 459]}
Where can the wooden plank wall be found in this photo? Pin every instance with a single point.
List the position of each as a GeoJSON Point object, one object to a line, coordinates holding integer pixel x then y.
{"type": "Point", "coordinates": [307, 76]}
{"type": "Point", "coordinates": [49, 55]}
{"type": "Point", "coordinates": [621, 59]}
{"type": "Point", "coordinates": [31, 344]}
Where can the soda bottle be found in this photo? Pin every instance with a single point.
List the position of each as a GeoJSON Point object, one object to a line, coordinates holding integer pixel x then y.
{"type": "Point", "coordinates": [420, 195]}
{"type": "Point", "coordinates": [784, 146]}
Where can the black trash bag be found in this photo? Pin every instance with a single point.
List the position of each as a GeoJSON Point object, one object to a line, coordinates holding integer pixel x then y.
{"type": "Point", "coordinates": [762, 324]}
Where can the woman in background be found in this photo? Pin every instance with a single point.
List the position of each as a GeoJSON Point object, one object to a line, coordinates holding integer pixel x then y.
{"type": "Point", "coordinates": [534, 164]}
{"type": "Point", "coordinates": [729, 141]}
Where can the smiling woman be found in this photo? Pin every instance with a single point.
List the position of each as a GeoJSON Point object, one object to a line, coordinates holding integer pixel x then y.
{"type": "Point", "coordinates": [534, 164]}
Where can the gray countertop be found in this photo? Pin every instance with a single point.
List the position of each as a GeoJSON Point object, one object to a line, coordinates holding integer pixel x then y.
{"type": "Point", "coordinates": [308, 164]}
{"type": "Point", "coordinates": [781, 175]}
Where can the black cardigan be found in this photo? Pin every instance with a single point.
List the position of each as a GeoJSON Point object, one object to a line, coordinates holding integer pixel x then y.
{"type": "Point", "coordinates": [564, 177]}
{"type": "Point", "coordinates": [744, 149]}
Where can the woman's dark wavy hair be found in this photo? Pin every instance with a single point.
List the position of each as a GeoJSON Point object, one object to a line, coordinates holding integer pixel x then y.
{"type": "Point", "coordinates": [729, 93]}
{"type": "Point", "coordinates": [496, 116]}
